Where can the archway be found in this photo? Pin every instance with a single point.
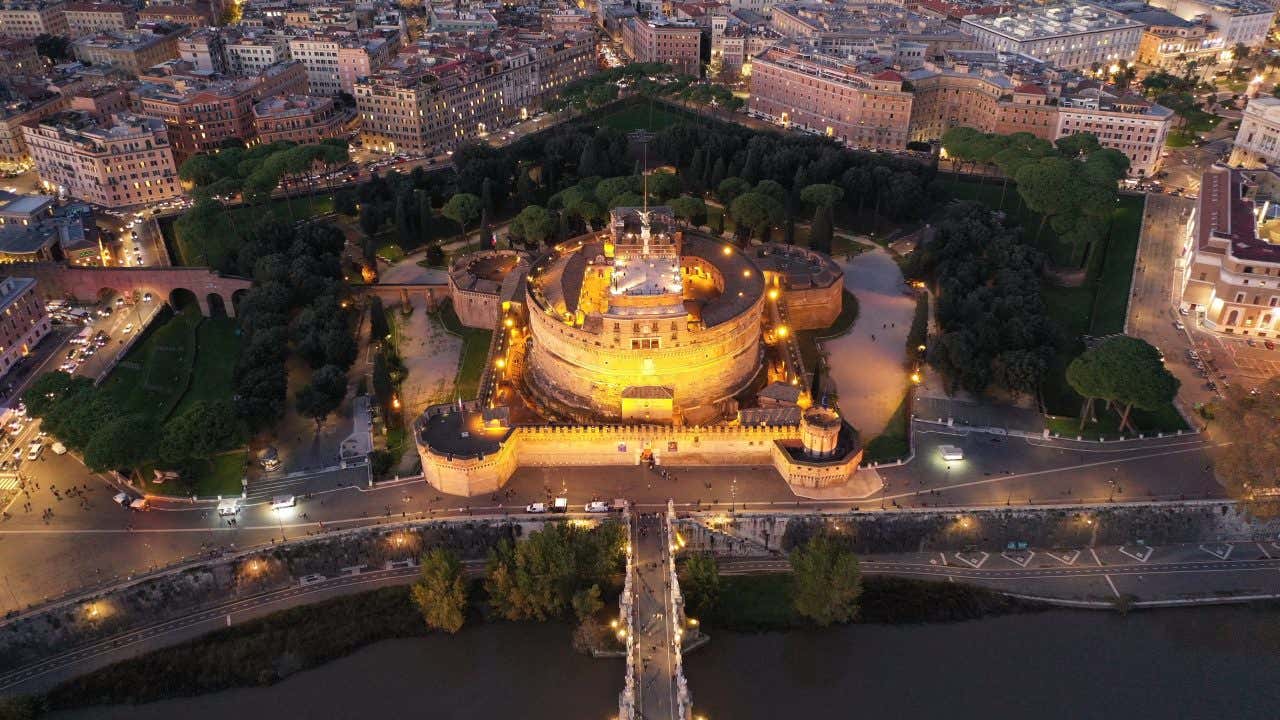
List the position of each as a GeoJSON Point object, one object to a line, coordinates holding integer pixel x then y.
{"type": "Point", "coordinates": [181, 299]}
{"type": "Point", "coordinates": [236, 298]}
{"type": "Point", "coordinates": [1234, 317]}
{"type": "Point", "coordinates": [217, 308]}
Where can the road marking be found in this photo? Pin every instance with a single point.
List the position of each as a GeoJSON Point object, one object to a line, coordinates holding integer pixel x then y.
{"type": "Point", "coordinates": [1113, 585]}
{"type": "Point", "coordinates": [975, 565]}
{"type": "Point", "coordinates": [944, 558]}
{"type": "Point", "coordinates": [1220, 554]}
{"type": "Point", "coordinates": [1140, 556]}
{"type": "Point", "coordinates": [1264, 550]}
{"type": "Point", "coordinates": [1066, 558]}
{"type": "Point", "coordinates": [1095, 557]}
{"type": "Point", "coordinates": [1020, 563]}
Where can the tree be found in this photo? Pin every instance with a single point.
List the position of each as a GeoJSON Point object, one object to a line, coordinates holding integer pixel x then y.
{"type": "Point", "coordinates": [383, 390]}
{"type": "Point", "coordinates": [441, 592]}
{"type": "Point", "coordinates": [700, 583]}
{"type": "Point", "coordinates": [755, 212]}
{"type": "Point", "coordinates": [1124, 370]}
{"type": "Point", "coordinates": [379, 328]}
{"type": "Point", "coordinates": [462, 208]}
{"type": "Point", "coordinates": [323, 394]}
{"type": "Point", "coordinates": [821, 232]}
{"type": "Point", "coordinates": [730, 188]}
{"type": "Point", "coordinates": [120, 442]}
{"type": "Point", "coordinates": [1247, 449]}
{"type": "Point", "coordinates": [822, 195]}
{"type": "Point", "coordinates": [55, 47]}
{"type": "Point", "coordinates": [828, 581]}
{"type": "Point", "coordinates": [690, 209]}
{"type": "Point", "coordinates": [587, 602]}
{"type": "Point", "coordinates": [200, 431]}
{"type": "Point", "coordinates": [662, 186]}
{"type": "Point", "coordinates": [533, 224]}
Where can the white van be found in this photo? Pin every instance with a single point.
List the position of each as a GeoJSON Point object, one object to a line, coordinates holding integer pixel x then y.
{"type": "Point", "coordinates": [139, 505]}
{"type": "Point", "coordinates": [950, 453]}
{"type": "Point", "coordinates": [281, 502]}
{"type": "Point", "coordinates": [34, 450]}
{"type": "Point", "coordinates": [58, 448]}
{"type": "Point", "coordinates": [228, 507]}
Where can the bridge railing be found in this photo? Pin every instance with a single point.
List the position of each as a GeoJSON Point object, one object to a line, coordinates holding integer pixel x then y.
{"type": "Point", "coordinates": [684, 699]}
{"type": "Point", "coordinates": [626, 608]}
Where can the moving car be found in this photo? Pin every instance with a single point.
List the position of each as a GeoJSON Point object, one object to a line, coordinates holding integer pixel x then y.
{"type": "Point", "coordinates": [560, 505]}
{"type": "Point", "coordinates": [228, 507]}
{"type": "Point", "coordinates": [128, 328]}
{"type": "Point", "coordinates": [596, 506]}
{"type": "Point", "coordinates": [122, 499]}
{"type": "Point", "coordinates": [34, 451]}
{"type": "Point", "coordinates": [535, 508]}
{"type": "Point", "coordinates": [281, 502]}
{"type": "Point", "coordinates": [139, 505]}
{"type": "Point", "coordinates": [950, 453]}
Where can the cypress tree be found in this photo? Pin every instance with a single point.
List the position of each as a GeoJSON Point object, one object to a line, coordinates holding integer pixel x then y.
{"type": "Point", "coordinates": [696, 169]}
{"type": "Point", "coordinates": [718, 173]}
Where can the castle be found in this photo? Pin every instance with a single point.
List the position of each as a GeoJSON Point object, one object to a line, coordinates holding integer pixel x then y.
{"type": "Point", "coordinates": [641, 343]}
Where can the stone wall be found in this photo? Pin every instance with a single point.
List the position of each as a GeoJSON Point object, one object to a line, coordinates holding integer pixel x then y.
{"type": "Point", "coordinates": [577, 446]}
{"type": "Point", "coordinates": [813, 308]}
{"type": "Point", "coordinates": [475, 309]}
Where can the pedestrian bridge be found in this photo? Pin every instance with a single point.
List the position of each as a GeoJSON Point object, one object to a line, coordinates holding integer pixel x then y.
{"type": "Point", "coordinates": [210, 289]}
{"type": "Point", "coordinates": [655, 624]}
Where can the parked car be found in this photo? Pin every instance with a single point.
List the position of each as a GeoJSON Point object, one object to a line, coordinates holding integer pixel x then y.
{"type": "Point", "coordinates": [58, 448]}
{"type": "Point", "coordinates": [537, 508]}
{"type": "Point", "coordinates": [560, 505]}
{"type": "Point", "coordinates": [122, 499]}
{"type": "Point", "coordinates": [950, 453]}
{"type": "Point", "coordinates": [596, 506]}
{"type": "Point", "coordinates": [1269, 345]}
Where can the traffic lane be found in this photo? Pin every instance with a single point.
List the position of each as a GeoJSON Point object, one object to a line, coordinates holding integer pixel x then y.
{"type": "Point", "coordinates": [645, 486]}
{"type": "Point", "coordinates": [1050, 474]}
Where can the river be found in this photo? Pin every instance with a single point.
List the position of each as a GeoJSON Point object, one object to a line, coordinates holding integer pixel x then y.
{"type": "Point", "coordinates": [1218, 662]}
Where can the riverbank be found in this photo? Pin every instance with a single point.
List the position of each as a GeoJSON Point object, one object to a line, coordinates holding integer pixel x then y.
{"type": "Point", "coordinates": [270, 649]}
{"type": "Point", "coordinates": [760, 603]}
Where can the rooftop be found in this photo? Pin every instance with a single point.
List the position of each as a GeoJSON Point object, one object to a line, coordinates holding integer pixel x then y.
{"type": "Point", "coordinates": [1226, 217]}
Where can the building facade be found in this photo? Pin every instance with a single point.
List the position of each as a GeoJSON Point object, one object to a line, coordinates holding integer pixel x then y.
{"type": "Point", "coordinates": [29, 19]}
{"type": "Point", "coordinates": [1230, 264]}
{"type": "Point", "coordinates": [1258, 139]}
{"type": "Point", "coordinates": [128, 163]}
{"type": "Point", "coordinates": [831, 97]}
{"type": "Point", "coordinates": [1071, 36]}
{"type": "Point", "coordinates": [298, 118]}
{"type": "Point", "coordinates": [659, 40]}
{"type": "Point", "coordinates": [1236, 21]}
{"type": "Point", "coordinates": [131, 52]}
{"type": "Point", "coordinates": [23, 320]}
{"type": "Point", "coordinates": [85, 19]}
{"type": "Point", "coordinates": [1125, 122]}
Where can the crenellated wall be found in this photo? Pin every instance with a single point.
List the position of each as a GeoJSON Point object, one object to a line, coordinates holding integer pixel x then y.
{"type": "Point", "coordinates": [577, 446]}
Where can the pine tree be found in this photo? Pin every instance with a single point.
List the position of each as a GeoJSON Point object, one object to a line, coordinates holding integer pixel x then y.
{"type": "Point", "coordinates": [820, 231]}
{"type": "Point", "coordinates": [751, 168]}
{"type": "Point", "coordinates": [696, 169]}
{"type": "Point", "coordinates": [589, 161]}
{"type": "Point", "coordinates": [718, 173]}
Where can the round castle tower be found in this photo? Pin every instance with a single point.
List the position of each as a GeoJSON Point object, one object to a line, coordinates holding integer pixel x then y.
{"type": "Point", "coordinates": [820, 431]}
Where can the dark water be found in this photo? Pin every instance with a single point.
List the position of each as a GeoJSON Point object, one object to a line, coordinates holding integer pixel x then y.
{"type": "Point", "coordinates": [1203, 663]}
{"type": "Point", "coordinates": [1214, 663]}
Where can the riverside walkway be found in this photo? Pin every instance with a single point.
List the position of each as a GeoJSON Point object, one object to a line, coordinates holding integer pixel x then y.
{"type": "Point", "coordinates": [656, 687]}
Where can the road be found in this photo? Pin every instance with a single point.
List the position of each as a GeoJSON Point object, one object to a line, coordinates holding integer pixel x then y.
{"type": "Point", "coordinates": [655, 639]}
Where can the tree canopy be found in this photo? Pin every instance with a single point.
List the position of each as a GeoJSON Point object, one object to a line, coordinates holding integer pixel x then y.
{"type": "Point", "coordinates": [1124, 370]}
{"type": "Point", "coordinates": [828, 580]}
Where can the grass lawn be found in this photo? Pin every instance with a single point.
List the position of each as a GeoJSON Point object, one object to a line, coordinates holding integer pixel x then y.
{"type": "Point", "coordinates": [220, 475]}
{"type": "Point", "coordinates": [153, 376]}
{"type": "Point", "coordinates": [222, 240]}
{"type": "Point", "coordinates": [217, 345]}
{"type": "Point", "coordinates": [391, 252]}
{"type": "Point", "coordinates": [642, 115]}
{"type": "Point", "coordinates": [475, 350]}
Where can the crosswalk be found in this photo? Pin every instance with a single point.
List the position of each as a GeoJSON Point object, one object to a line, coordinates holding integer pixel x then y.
{"type": "Point", "coordinates": [8, 481]}
{"type": "Point", "coordinates": [294, 483]}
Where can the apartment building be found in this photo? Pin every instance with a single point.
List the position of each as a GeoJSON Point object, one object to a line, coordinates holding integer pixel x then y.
{"type": "Point", "coordinates": [660, 40]}
{"type": "Point", "coordinates": [858, 31]}
{"type": "Point", "coordinates": [24, 105]}
{"type": "Point", "coordinates": [131, 52]}
{"type": "Point", "coordinates": [84, 19]}
{"type": "Point", "coordinates": [102, 101]}
{"type": "Point", "coordinates": [334, 60]}
{"type": "Point", "coordinates": [298, 118]}
{"type": "Point", "coordinates": [1258, 139]}
{"type": "Point", "coordinates": [947, 97]}
{"type": "Point", "coordinates": [444, 96]}
{"type": "Point", "coordinates": [1169, 42]}
{"type": "Point", "coordinates": [23, 320]}
{"type": "Point", "coordinates": [253, 53]}
{"type": "Point", "coordinates": [29, 19]}
{"type": "Point", "coordinates": [1230, 263]}
{"type": "Point", "coordinates": [19, 57]}
{"type": "Point", "coordinates": [1121, 121]}
{"type": "Point", "coordinates": [832, 97]}
{"type": "Point", "coordinates": [1071, 36]}
{"type": "Point", "coordinates": [1237, 21]}
{"type": "Point", "coordinates": [121, 165]}
{"type": "Point", "coordinates": [205, 49]}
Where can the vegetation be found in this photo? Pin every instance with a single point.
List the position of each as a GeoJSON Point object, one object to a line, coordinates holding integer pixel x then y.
{"type": "Point", "coordinates": [1122, 370]}
{"type": "Point", "coordinates": [441, 592]}
{"type": "Point", "coordinates": [1247, 454]}
{"type": "Point", "coordinates": [1072, 184]}
{"type": "Point", "coordinates": [700, 584]}
{"type": "Point", "coordinates": [475, 351]}
{"type": "Point", "coordinates": [298, 301]}
{"type": "Point", "coordinates": [827, 580]}
{"type": "Point", "coordinates": [894, 442]}
{"type": "Point", "coordinates": [546, 575]}
{"type": "Point", "coordinates": [646, 79]}
{"type": "Point", "coordinates": [991, 316]}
